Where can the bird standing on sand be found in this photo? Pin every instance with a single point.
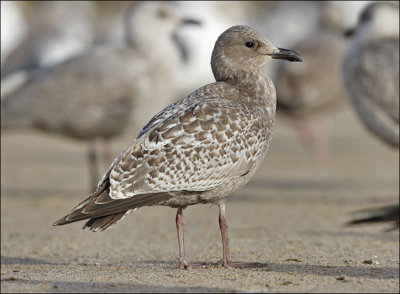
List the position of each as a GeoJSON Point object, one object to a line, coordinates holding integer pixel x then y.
{"type": "Point", "coordinates": [96, 95]}
{"type": "Point", "coordinates": [199, 149]}
{"type": "Point", "coordinates": [371, 76]}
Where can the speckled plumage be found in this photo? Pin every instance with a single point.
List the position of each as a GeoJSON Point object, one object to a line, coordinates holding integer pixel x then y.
{"type": "Point", "coordinates": [199, 149]}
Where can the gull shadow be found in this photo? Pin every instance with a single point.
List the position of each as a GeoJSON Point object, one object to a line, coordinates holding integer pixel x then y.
{"type": "Point", "coordinates": [37, 192]}
{"type": "Point", "coordinates": [111, 287]}
{"type": "Point", "coordinates": [159, 262]}
{"type": "Point", "coordinates": [369, 272]}
{"type": "Point", "coordinates": [317, 184]}
{"type": "Point", "coordinates": [8, 260]}
{"type": "Point", "coordinates": [302, 184]}
{"type": "Point", "coordinates": [256, 196]}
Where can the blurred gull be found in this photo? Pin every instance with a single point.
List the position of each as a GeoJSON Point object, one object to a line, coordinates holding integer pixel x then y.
{"type": "Point", "coordinates": [56, 31]}
{"type": "Point", "coordinates": [307, 94]}
{"type": "Point", "coordinates": [371, 76]}
{"type": "Point", "coordinates": [95, 95]}
{"type": "Point", "coordinates": [371, 70]}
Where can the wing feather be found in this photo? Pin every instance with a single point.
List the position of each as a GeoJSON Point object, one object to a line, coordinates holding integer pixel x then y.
{"type": "Point", "coordinates": [194, 146]}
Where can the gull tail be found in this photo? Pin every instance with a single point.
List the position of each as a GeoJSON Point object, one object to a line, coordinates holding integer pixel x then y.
{"type": "Point", "coordinates": [102, 223]}
{"type": "Point", "coordinates": [104, 212]}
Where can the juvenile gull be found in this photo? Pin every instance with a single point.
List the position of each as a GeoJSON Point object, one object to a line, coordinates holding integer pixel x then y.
{"type": "Point", "coordinates": [199, 149]}
{"type": "Point", "coordinates": [96, 94]}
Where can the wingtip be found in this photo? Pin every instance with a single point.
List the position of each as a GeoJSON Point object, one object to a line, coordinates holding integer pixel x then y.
{"type": "Point", "coordinates": [61, 221]}
{"type": "Point", "coordinates": [56, 223]}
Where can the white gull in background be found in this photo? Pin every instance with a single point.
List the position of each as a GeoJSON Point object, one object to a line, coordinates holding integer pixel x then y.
{"type": "Point", "coordinates": [97, 95]}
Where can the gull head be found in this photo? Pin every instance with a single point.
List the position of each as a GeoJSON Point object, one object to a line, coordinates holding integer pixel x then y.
{"type": "Point", "coordinates": [241, 49]}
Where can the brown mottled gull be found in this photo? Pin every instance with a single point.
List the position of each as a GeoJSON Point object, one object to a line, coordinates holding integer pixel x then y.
{"type": "Point", "coordinates": [95, 95]}
{"type": "Point", "coordinates": [371, 70]}
{"type": "Point", "coordinates": [199, 149]}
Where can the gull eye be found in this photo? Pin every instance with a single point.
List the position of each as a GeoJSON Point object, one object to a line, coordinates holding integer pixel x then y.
{"type": "Point", "coordinates": [250, 44]}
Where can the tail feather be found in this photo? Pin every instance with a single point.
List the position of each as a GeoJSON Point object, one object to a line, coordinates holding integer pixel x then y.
{"type": "Point", "coordinates": [102, 223]}
{"type": "Point", "coordinates": [105, 214]}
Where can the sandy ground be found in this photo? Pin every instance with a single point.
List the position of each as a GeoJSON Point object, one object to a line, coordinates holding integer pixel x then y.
{"type": "Point", "coordinates": [289, 218]}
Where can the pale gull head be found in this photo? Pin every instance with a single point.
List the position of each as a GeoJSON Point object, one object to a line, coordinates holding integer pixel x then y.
{"type": "Point", "coordinates": [161, 20]}
{"type": "Point", "coordinates": [241, 50]}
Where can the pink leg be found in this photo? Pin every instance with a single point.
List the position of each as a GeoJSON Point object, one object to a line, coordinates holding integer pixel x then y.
{"type": "Point", "coordinates": [180, 223]}
{"type": "Point", "coordinates": [322, 149]}
{"type": "Point", "coordinates": [305, 134]}
{"type": "Point", "coordinates": [223, 225]}
{"type": "Point", "coordinates": [315, 138]}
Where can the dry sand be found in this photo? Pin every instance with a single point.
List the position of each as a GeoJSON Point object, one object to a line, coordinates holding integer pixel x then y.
{"type": "Point", "coordinates": [289, 217]}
